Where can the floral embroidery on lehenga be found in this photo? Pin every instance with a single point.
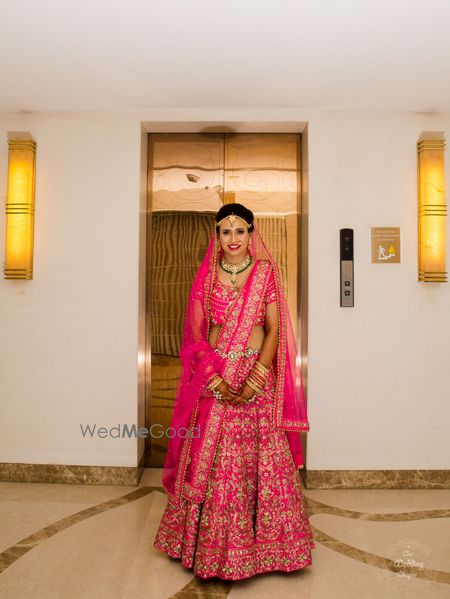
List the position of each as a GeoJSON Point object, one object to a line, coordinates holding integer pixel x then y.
{"type": "Point", "coordinates": [253, 518]}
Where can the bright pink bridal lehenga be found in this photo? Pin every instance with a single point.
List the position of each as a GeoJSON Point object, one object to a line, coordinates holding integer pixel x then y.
{"type": "Point", "coordinates": [235, 506]}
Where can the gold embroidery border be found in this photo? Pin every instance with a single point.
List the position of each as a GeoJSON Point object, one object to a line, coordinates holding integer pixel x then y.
{"type": "Point", "coordinates": [237, 333]}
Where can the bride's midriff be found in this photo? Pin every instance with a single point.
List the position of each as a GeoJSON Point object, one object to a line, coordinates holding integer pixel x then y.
{"type": "Point", "coordinates": [255, 340]}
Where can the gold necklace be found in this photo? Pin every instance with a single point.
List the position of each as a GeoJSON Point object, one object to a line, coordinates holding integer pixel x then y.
{"type": "Point", "coordinates": [235, 269]}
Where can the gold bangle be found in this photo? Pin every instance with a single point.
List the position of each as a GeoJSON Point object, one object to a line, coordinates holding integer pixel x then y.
{"type": "Point", "coordinates": [260, 366]}
{"type": "Point", "coordinates": [217, 379]}
{"type": "Point", "coordinates": [253, 386]}
{"type": "Point", "coordinates": [258, 377]}
{"type": "Point", "coordinates": [259, 372]}
{"type": "Point", "coordinates": [257, 383]}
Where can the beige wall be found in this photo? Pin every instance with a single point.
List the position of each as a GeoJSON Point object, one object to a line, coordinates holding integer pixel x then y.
{"type": "Point", "coordinates": [378, 373]}
{"type": "Point", "coordinates": [68, 345]}
{"type": "Point", "coordinates": [378, 383]}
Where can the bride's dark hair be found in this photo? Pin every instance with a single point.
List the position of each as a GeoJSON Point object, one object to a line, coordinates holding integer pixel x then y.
{"type": "Point", "coordinates": [237, 209]}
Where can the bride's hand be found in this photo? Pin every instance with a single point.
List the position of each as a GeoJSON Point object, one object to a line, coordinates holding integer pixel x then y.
{"type": "Point", "coordinates": [245, 393]}
{"type": "Point", "coordinates": [224, 390]}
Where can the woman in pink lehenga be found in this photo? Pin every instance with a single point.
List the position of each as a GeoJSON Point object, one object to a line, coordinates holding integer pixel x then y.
{"type": "Point", "coordinates": [235, 505]}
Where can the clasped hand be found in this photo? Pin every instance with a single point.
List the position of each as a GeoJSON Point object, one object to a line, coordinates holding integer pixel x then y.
{"type": "Point", "coordinates": [242, 396]}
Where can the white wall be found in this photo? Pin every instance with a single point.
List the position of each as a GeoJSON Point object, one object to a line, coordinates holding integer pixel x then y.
{"type": "Point", "coordinates": [68, 345]}
{"type": "Point", "coordinates": [379, 373]}
{"type": "Point", "coordinates": [378, 384]}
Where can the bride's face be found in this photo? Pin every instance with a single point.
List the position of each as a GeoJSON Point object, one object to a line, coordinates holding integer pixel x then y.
{"type": "Point", "coordinates": [234, 240]}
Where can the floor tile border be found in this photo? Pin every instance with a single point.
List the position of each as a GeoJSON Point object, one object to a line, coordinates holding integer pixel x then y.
{"type": "Point", "coordinates": [70, 474]}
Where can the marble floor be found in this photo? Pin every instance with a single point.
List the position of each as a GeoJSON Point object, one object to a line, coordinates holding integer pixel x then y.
{"type": "Point", "coordinates": [92, 542]}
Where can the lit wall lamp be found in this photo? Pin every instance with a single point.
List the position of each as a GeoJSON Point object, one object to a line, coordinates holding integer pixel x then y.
{"type": "Point", "coordinates": [20, 206]}
{"type": "Point", "coordinates": [432, 208]}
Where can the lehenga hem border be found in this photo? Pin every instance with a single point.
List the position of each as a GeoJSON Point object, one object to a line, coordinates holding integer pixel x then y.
{"type": "Point", "coordinates": [308, 562]}
{"type": "Point", "coordinates": [303, 563]}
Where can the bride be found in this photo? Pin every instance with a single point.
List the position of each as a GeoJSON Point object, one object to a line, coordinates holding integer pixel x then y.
{"type": "Point", "coordinates": [235, 506]}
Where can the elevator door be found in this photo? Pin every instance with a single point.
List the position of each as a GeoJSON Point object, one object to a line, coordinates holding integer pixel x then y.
{"type": "Point", "coordinates": [191, 175]}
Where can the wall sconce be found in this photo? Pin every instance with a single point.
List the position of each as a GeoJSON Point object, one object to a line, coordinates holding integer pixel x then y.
{"type": "Point", "coordinates": [432, 208]}
{"type": "Point", "coordinates": [20, 206]}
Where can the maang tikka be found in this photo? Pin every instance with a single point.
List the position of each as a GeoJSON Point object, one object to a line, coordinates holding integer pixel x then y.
{"type": "Point", "coordinates": [232, 217]}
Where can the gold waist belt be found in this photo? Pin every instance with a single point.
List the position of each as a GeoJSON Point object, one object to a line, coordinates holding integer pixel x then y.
{"type": "Point", "coordinates": [234, 355]}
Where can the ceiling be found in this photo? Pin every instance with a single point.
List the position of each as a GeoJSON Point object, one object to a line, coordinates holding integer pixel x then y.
{"type": "Point", "coordinates": [79, 55]}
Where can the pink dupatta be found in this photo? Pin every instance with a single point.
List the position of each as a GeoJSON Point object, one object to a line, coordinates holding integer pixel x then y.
{"type": "Point", "coordinates": [197, 418]}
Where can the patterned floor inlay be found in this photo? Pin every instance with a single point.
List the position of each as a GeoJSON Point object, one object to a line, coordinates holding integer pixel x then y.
{"type": "Point", "coordinates": [317, 507]}
{"type": "Point", "coordinates": [218, 589]}
{"type": "Point", "coordinates": [202, 589]}
{"type": "Point", "coordinates": [378, 561]}
{"type": "Point", "coordinates": [13, 553]}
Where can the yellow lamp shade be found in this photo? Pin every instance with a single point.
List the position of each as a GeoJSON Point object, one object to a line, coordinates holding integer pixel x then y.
{"type": "Point", "coordinates": [20, 209]}
{"type": "Point", "coordinates": [432, 210]}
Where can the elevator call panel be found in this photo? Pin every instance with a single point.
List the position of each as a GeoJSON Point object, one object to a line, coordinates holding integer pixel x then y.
{"type": "Point", "coordinates": [346, 260]}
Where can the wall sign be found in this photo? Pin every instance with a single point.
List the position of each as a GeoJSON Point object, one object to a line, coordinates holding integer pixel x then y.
{"type": "Point", "coordinates": [385, 244]}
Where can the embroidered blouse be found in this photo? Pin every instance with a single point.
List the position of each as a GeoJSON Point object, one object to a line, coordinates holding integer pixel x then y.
{"type": "Point", "coordinates": [222, 295]}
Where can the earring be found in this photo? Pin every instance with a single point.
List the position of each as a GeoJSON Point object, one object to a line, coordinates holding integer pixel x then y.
{"type": "Point", "coordinates": [250, 243]}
